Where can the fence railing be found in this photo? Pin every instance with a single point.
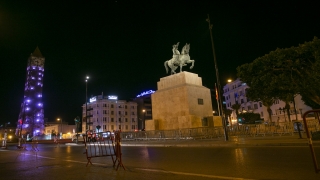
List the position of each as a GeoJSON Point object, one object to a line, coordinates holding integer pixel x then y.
{"type": "Point", "coordinates": [279, 129]}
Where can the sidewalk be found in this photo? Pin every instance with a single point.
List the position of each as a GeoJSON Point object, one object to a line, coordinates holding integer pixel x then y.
{"type": "Point", "coordinates": [233, 141]}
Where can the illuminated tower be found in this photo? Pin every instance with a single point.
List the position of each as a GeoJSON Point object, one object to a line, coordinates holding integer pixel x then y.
{"type": "Point", "coordinates": [31, 118]}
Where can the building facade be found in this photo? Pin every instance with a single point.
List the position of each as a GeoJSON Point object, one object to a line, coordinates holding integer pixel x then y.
{"type": "Point", "coordinates": [31, 116]}
{"type": "Point", "coordinates": [235, 93]}
{"type": "Point", "coordinates": [107, 113]}
{"type": "Point", "coordinates": [143, 101]}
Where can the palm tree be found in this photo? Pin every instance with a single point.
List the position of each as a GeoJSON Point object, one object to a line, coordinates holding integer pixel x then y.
{"type": "Point", "coordinates": [236, 108]}
{"type": "Point", "coordinates": [268, 103]}
{"type": "Point", "coordinates": [227, 113]}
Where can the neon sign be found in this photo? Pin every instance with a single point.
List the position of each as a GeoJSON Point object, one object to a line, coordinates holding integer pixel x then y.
{"type": "Point", "coordinates": [146, 93]}
{"type": "Point", "coordinates": [113, 97]}
{"type": "Point", "coordinates": [93, 99]}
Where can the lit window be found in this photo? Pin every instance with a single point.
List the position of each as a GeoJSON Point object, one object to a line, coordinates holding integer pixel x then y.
{"type": "Point", "coordinates": [200, 101]}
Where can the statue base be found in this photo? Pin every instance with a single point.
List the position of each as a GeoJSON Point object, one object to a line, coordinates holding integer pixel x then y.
{"type": "Point", "coordinates": [180, 102]}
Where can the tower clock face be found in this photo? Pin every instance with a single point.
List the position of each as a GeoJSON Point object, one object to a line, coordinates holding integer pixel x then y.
{"type": "Point", "coordinates": [38, 62]}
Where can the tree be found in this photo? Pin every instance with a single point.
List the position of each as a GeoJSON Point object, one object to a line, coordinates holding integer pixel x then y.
{"type": "Point", "coordinates": [284, 73]}
{"type": "Point", "coordinates": [236, 108]}
{"type": "Point", "coordinates": [227, 113]}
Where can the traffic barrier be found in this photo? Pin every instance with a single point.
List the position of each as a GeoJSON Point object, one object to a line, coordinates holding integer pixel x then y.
{"type": "Point", "coordinates": [309, 133]}
{"type": "Point", "coordinates": [103, 145]}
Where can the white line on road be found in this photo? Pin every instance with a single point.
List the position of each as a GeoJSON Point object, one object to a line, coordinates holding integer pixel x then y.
{"type": "Point", "coordinates": [44, 157]}
{"type": "Point", "coordinates": [192, 174]}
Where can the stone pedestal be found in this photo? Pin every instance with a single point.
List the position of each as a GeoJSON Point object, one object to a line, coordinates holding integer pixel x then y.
{"type": "Point", "coordinates": [180, 102]}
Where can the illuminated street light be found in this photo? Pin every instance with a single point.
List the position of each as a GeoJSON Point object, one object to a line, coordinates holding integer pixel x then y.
{"type": "Point", "coordinates": [60, 127]}
{"type": "Point", "coordinates": [87, 125]}
{"type": "Point", "coordinates": [144, 119]}
{"type": "Point", "coordinates": [229, 80]}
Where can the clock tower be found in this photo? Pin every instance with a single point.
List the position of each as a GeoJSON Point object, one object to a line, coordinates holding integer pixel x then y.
{"type": "Point", "coordinates": [31, 117]}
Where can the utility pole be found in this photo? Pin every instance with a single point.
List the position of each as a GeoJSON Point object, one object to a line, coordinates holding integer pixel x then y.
{"type": "Point", "coordinates": [218, 82]}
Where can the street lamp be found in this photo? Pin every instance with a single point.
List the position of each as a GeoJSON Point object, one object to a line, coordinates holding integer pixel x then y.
{"type": "Point", "coordinates": [87, 125]}
{"type": "Point", "coordinates": [60, 127]}
{"type": "Point", "coordinates": [218, 81]}
{"type": "Point", "coordinates": [144, 118]}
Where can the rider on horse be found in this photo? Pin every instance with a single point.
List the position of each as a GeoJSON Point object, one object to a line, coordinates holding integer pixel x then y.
{"type": "Point", "coordinates": [176, 54]}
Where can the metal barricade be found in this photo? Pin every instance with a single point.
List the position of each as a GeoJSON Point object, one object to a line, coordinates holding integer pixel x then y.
{"type": "Point", "coordinates": [317, 113]}
{"type": "Point", "coordinates": [103, 145]}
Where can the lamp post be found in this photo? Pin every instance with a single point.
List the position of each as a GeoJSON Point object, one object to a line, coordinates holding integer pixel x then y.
{"type": "Point", "coordinates": [218, 81]}
{"type": "Point", "coordinates": [144, 118]}
{"type": "Point", "coordinates": [87, 125]}
{"type": "Point", "coordinates": [60, 127]}
{"type": "Point", "coordinates": [77, 121]}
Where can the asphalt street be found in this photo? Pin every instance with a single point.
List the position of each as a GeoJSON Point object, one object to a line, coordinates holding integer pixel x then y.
{"type": "Point", "coordinates": [240, 158]}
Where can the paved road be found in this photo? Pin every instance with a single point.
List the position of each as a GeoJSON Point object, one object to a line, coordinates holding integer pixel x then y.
{"type": "Point", "coordinates": [168, 160]}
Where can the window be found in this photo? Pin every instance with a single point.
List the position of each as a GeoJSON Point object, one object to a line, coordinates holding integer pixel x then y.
{"type": "Point", "coordinates": [119, 112]}
{"type": "Point", "coordinates": [200, 101]}
{"type": "Point", "coordinates": [119, 119]}
{"type": "Point", "coordinates": [125, 106]}
{"type": "Point", "coordinates": [242, 101]}
{"type": "Point", "coordinates": [119, 126]}
{"type": "Point", "coordinates": [133, 126]}
{"type": "Point", "coordinates": [260, 104]}
{"type": "Point", "coordinates": [126, 113]}
{"type": "Point", "coordinates": [126, 127]}
{"type": "Point", "coordinates": [112, 127]}
{"type": "Point", "coordinates": [132, 119]}
{"type": "Point", "coordinates": [126, 119]}
{"type": "Point", "coordinates": [111, 112]}
{"type": "Point", "coordinates": [112, 120]}
{"type": "Point", "coordinates": [111, 105]}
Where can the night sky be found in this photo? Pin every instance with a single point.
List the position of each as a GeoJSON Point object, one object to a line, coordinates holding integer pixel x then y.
{"type": "Point", "coordinates": [122, 45]}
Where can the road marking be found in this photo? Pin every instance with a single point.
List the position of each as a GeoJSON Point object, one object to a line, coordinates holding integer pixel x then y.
{"type": "Point", "coordinates": [44, 157]}
{"type": "Point", "coordinates": [192, 174]}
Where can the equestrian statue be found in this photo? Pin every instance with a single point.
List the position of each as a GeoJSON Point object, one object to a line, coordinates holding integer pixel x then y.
{"type": "Point", "coordinates": [179, 59]}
